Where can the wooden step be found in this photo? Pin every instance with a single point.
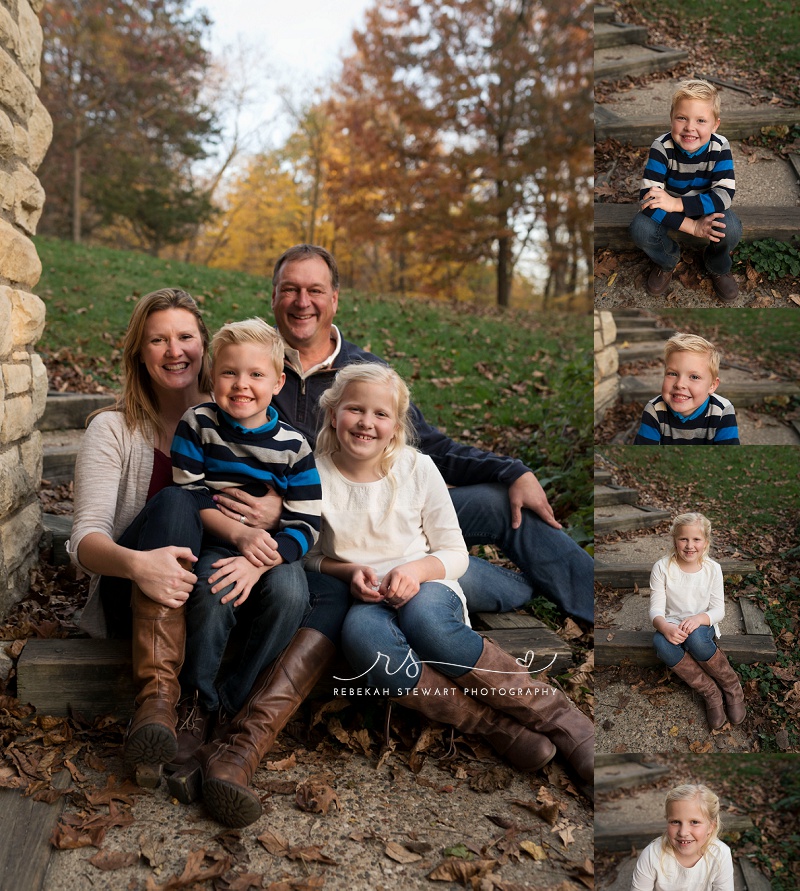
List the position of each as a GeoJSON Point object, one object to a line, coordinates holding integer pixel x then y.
{"type": "Point", "coordinates": [58, 464]}
{"type": "Point", "coordinates": [611, 494]}
{"type": "Point", "coordinates": [634, 321]}
{"type": "Point", "coordinates": [601, 477]}
{"type": "Point", "coordinates": [518, 632]}
{"type": "Point", "coordinates": [639, 835]}
{"type": "Point", "coordinates": [746, 877]}
{"type": "Point", "coordinates": [603, 14]}
{"type": "Point", "coordinates": [611, 223]}
{"type": "Point", "coordinates": [737, 123]}
{"type": "Point", "coordinates": [646, 349]}
{"type": "Point", "coordinates": [626, 518]}
{"type": "Point", "coordinates": [627, 775]}
{"type": "Point", "coordinates": [626, 575]}
{"type": "Point", "coordinates": [608, 34]}
{"type": "Point", "coordinates": [68, 411]}
{"type": "Point", "coordinates": [634, 60]}
{"type": "Point", "coordinates": [637, 646]}
{"type": "Point", "coordinates": [642, 335]}
{"type": "Point", "coordinates": [53, 543]}
{"type": "Point", "coordinates": [740, 393]}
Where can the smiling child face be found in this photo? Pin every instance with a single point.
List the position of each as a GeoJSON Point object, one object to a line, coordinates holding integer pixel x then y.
{"type": "Point", "coordinates": [688, 829]}
{"type": "Point", "coordinates": [692, 123]}
{"type": "Point", "coordinates": [687, 382]}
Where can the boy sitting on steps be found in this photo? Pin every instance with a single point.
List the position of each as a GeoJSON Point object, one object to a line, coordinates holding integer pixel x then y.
{"type": "Point", "coordinates": [688, 186]}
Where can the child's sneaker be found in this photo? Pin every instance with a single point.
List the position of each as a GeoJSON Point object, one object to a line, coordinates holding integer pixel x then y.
{"type": "Point", "coordinates": [725, 287]}
{"type": "Point", "coordinates": [658, 280]}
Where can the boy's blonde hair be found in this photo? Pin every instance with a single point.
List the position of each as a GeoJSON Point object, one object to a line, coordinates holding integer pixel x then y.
{"type": "Point", "coordinates": [255, 331]}
{"type": "Point", "coordinates": [690, 519]}
{"type": "Point", "coordinates": [701, 90]}
{"type": "Point", "coordinates": [693, 343]}
{"type": "Point", "coordinates": [331, 399]}
{"type": "Point", "coordinates": [709, 805]}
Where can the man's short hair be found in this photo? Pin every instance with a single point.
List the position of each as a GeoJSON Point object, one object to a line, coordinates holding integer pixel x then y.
{"type": "Point", "coordinates": [255, 331]}
{"type": "Point", "coordinates": [697, 89]}
{"type": "Point", "coordinates": [306, 252]}
{"type": "Point", "coordinates": [693, 343]}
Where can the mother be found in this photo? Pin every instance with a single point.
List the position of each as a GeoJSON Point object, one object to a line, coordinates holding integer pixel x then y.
{"type": "Point", "coordinates": [133, 532]}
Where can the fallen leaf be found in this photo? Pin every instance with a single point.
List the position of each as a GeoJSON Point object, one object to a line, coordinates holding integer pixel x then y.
{"type": "Point", "coordinates": [274, 843]}
{"type": "Point", "coordinates": [400, 854]}
{"type": "Point", "coordinates": [566, 836]}
{"type": "Point", "coordinates": [316, 797]}
{"type": "Point", "coordinates": [536, 851]}
{"type": "Point", "coordinates": [109, 860]}
{"type": "Point", "coordinates": [795, 298]}
{"type": "Point", "coordinates": [461, 871]}
{"type": "Point", "coordinates": [195, 870]}
{"type": "Point", "coordinates": [310, 852]}
{"type": "Point", "coordinates": [285, 764]}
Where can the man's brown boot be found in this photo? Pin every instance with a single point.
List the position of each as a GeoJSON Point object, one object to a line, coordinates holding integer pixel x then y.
{"type": "Point", "coordinates": [159, 639]}
{"type": "Point", "coordinates": [228, 766]}
{"type": "Point", "coordinates": [691, 673]}
{"type": "Point", "coordinates": [442, 699]}
{"type": "Point", "coordinates": [725, 287]}
{"type": "Point", "coordinates": [720, 670]}
{"type": "Point", "coordinates": [658, 280]}
{"type": "Point", "coordinates": [534, 704]}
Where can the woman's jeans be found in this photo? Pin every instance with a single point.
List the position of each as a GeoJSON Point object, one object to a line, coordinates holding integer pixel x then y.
{"type": "Point", "coordinates": [385, 646]}
{"type": "Point", "coordinates": [699, 644]}
{"type": "Point", "coordinates": [170, 517]}
{"type": "Point", "coordinates": [269, 617]}
{"type": "Point", "coordinates": [653, 238]}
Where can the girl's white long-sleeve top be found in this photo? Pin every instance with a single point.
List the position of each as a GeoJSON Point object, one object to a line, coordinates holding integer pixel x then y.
{"type": "Point", "coordinates": [676, 595]}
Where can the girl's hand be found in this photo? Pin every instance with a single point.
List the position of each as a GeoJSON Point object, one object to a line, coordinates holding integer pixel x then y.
{"type": "Point", "coordinates": [263, 512]}
{"type": "Point", "coordinates": [674, 634]}
{"type": "Point", "coordinates": [399, 586]}
{"type": "Point", "coordinates": [236, 571]}
{"type": "Point", "coordinates": [364, 585]}
{"type": "Point", "coordinates": [692, 623]}
{"type": "Point", "coordinates": [162, 578]}
{"type": "Point", "coordinates": [258, 546]}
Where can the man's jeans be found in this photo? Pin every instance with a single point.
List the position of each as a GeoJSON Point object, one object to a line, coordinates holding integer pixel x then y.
{"type": "Point", "coordinates": [270, 616]}
{"type": "Point", "coordinates": [653, 238]}
{"type": "Point", "coordinates": [699, 644]}
{"type": "Point", "coordinates": [385, 646]}
{"type": "Point", "coordinates": [552, 564]}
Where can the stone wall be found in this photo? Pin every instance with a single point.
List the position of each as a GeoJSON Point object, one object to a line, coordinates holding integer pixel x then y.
{"type": "Point", "coordinates": [606, 363]}
{"type": "Point", "coordinates": [25, 133]}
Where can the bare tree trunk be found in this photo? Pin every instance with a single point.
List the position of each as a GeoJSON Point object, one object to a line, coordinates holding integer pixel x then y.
{"type": "Point", "coordinates": [76, 195]}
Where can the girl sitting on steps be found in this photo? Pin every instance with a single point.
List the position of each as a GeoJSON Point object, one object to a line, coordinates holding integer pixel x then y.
{"type": "Point", "coordinates": [686, 605]}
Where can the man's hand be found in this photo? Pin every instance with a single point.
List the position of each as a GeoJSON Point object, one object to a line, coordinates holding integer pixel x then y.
{"type": "Point", "coordinates": [527, 492]}
{"type": "Point", "coordinates": [260, 513]}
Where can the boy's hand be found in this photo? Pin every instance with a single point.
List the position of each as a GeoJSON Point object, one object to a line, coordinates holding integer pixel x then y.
{"type": "Point", "coordinates": [364, 585]}
{"type": "Point", "coordinates": [238, 572]}
{"type": "Point", "coordinates": [710, 226]}
{"type": "Point", "coordinates": [258, 546]}
{"type": "Point", "coordinates": [658, 199]}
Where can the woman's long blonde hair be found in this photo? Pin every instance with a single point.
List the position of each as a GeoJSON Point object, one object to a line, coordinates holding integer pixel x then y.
{"type": "Point", "coordinates": [690, 519]}
{"type": "Point", "coordinates": [332, 398]}
{"type": "Point", "coordinates": [709, 805]}
{"type": "Point", "coordinates": [138, 400]}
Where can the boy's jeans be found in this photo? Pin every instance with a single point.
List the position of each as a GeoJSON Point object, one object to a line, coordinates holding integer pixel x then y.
{"type": "Point", "coordinates": [271, 615]}
{"type": "Point", "coordinates": [653, 238]}
{"type": "Point", "coordinates": [699, 644]}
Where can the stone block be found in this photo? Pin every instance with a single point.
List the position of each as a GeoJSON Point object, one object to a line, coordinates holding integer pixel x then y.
{"type": "Point", "coordinates": [15, 484]}
{"type": "Point", "coordinates": [19, 535]}
{"type": "Point", "coordinates": [28, 199]}
{"type": "Point", "coordinates": [606, 363]}
{"type": "Point", "coordinates": [598, 341]}
{"type": "Point", "coordinates": [9, 31]}
{"type": "Point", "coordinates": [17, 93]}
{"type": "Point", "coordinates": [39, 385]}
{"type": "Point", "coordinates": [31, 451]}
{"type": "Point", "coordinates": [608, 327]}
{"type": "Point", "coordinates": [19, 262]}
{"type": "Point", "coordinates": [27, 318]}
{"type": "Point", "coordinates": [18, 419]}
{"type": "Point", "coordinates": [39, 135]}
{"type": "Point", "coordinates": [17, 378]}
{"type": "Point", "coordinates": [30, 43]}
{"type": "Point", "coordinates": [6, 309]}
{"type": "Point", "coordinates": [7, 138]}
{"type": "Point", "coordinates": [605, 395]}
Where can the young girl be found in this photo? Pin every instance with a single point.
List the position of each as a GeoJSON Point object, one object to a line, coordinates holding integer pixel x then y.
{"type": "Point", "coordinates": [391, 536]}
{"type": "Point", "coordinates": [688, 856]}
{"type": "Point", "coordinates": [686, 603]}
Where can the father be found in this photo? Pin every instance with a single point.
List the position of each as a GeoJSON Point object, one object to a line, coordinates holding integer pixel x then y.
{"type": "Point", "coordinates": [498, 499]}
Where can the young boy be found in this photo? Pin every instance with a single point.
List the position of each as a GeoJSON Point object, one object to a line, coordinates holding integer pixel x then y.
{"type": "Point", "coordinates": [238, 441]}
{"type": "Point", "coordinates": [688, 186]}
{"type": "Point", "coordinates": [688, 412]}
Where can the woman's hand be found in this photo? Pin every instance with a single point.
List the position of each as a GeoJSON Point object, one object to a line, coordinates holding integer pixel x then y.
{"type": "Point", "coordinates": [263, 512]}
{"type": "Point", "coordinates": [238, 572]}
{"type": "Point", "coordinates": [399, 585]}
{"type": "Point", "coordinates": [364, 585]}
{"type": "Point", "coordinates": [161, 577]}
{"type": "Point", "coordinates": [258, 546]}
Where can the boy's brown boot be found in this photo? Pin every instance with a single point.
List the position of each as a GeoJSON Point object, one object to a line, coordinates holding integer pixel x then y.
{"type": "Point", "coordinates": [658, 280]}
{"type": "Point", "coordinates": [534, 704]}
{"type": "Point", "coordinates": [228, 766]}
{"type": "Point", "coordinates": [691, 673]}
{"type": "Point", "coordinates": [442, 699]}
{"type": "Point", "coordinates": [725, 287]}
{"type": "Point", "coordinates": [720, 669]}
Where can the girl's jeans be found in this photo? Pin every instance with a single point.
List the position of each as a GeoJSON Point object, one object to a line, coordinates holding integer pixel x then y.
{"type": "Point", "coordinates": [653, 238]}
{"type": "Point", "coordinates": [699, 644]}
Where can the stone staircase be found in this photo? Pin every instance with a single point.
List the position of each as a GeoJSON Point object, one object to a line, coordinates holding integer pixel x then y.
{"type": "Point", "coordinates": [641, 338]}
{"type": "Point", "coordinates": [623, 51]}
{"type": "Point", "coordinates": [632, 821]}
{"type": "Point", "coordinates": [625, 566]}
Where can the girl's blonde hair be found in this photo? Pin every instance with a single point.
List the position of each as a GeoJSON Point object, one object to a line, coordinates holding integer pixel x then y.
{"type": "Point", "coordinates": [709, 805]}
{"type": "Point", "coordinates": [254, 331]}
{"type": "Point", "coordinates": [138, 401]}
{"type": "Point", "coordinates": [690, 519]}
{"type": "Point", "coordinates": [367, 373]}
